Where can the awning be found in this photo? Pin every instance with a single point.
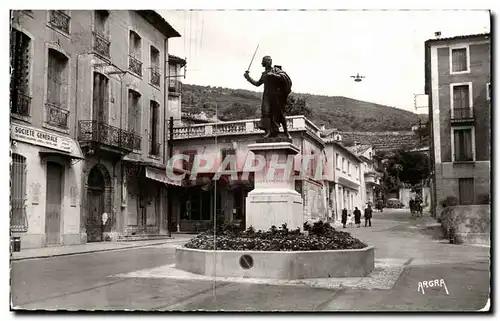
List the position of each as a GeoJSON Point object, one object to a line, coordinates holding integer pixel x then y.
{"type": "Point", "coordinates": [45, 152]}
{"type": "Point", "coordinates": [161, 176]}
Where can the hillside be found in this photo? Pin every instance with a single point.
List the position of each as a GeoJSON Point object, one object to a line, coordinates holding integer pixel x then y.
{"type": "Point", "coordinates": [343, 113]}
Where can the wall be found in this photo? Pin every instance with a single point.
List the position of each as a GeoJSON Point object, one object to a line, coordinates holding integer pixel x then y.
{"type": "Point", "coordinates": [472, 223]}
{"type": "Point", "coordinates": [36, 186]}
{"type": "Point", "coordinates": [479, 76]}
{"type": "Point", "coordinates": [447, 176]}
{"type": "Point", "coordinates": [120, 23]}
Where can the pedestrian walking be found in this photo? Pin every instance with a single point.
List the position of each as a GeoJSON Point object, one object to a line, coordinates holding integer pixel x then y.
{"type": "Point", "coordinates": [344, 217]}
{"type": "Point", "coordinates": [368, 215]}
{"type": "Point", "coordinates": [350, 222]}
{"type": "Point", "coordinates": [357, 217]}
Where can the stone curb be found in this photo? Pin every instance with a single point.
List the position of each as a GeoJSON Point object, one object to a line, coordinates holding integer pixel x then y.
{"type": "Point", "coordinates": [89, 251]}
{"type": "Point", "coordinates": [383, 277]}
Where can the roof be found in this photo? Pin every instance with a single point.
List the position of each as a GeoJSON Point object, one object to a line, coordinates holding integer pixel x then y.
{"type": "Point", "coordinates": [384, 140]}
{"type": "Point", "coordinates": [463, 37]}
{"type": "Point", "coordinates": [159, 23]}
{"type": "Point", "coordinates": [347, 150]}
{"type": "Point", "coordinates": [327, 132]}
{"type": "Point", "coordinates": [359, 149]}
{"type": "Point", "coordinates": [177, 60]}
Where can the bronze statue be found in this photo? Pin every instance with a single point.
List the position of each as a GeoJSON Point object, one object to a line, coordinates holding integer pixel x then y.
{"type": "Point", "coordinates": [277, 87]}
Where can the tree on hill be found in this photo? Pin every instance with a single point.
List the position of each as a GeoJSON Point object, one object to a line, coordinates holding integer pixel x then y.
{"type": "Point", "coordinates": [297, 106]}
{"type": "Point", "coordinates": [238, 111]}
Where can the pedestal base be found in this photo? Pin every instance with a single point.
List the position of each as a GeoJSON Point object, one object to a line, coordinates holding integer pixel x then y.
{"type": "Point", "coordinates": [268, 207]}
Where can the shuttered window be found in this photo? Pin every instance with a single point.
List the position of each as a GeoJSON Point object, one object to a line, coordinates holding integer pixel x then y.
{"type": "Point", "coordinates": [459, 60]}
{"type": "Point", "coordinates": [463, 145]}
{"type": "Point", "coordinates": [134, 112]}
{"type": "Point", "coordinates": [19, 76]}
{"type": "Point", "coordinates": [18, 193]}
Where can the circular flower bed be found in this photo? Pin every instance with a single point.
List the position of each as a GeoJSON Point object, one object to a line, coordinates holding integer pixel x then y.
{"type": "Point", "coordinates": [320, 236]}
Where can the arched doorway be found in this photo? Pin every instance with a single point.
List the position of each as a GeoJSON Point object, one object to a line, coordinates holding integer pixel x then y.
{"type": "Point", "coordinates": [98, 194]}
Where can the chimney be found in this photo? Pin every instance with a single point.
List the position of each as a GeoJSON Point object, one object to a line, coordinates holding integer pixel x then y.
{"type": "Point", "coordinates": [437, 34]}
{"type": "Point", "coordinates": [323, 127]}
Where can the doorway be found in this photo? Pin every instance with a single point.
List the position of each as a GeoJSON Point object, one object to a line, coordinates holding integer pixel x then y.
{"type": "Point", "coordinates": [95, 206]}
{"type": "Point", "coordinates": [53, 204]}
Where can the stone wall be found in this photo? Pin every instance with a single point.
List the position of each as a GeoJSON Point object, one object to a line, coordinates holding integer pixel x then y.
{"type": "Point", "coordinates": [472, 223]}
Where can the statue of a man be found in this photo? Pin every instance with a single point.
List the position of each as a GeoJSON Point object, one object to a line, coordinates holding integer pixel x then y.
{"type": "Point", "coordinates": [273, 99]}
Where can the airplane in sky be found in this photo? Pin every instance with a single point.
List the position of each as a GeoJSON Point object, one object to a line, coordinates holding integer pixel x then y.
{"type": "Point", "coordinates": [357, 78]}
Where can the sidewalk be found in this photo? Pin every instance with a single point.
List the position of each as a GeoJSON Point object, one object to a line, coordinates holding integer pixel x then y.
{"type": "Point", "coordinates": [46, 252]}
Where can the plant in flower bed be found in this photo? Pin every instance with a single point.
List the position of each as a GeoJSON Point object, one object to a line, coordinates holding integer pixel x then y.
{"type": "Point", "coordinates": [320, 236]}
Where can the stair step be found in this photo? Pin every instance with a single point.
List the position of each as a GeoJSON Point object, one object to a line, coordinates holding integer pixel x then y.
{"type": "Point", "coordinates": [142, 237]}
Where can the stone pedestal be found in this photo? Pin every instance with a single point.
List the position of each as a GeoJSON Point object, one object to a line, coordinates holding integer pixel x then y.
{"type": "Point", "coordinates": [274, 200]}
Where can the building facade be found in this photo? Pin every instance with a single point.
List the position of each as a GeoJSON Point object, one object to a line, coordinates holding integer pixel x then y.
{"type": "Point", "coordinates": [88, 99]}
{"type": "Point", "coordinates": [458, 82]}
{"type": "Point", "coordinates": [345, 178]}
{"type": "Point", "coordinates": [204, 195]}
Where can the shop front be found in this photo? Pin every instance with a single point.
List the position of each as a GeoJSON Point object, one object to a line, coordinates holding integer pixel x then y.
{"type": "Point", "coordinates": [45, 176]}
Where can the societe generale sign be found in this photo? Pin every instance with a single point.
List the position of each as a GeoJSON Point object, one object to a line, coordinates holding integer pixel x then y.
{"type": "Point", "coordinates": [40, 138]}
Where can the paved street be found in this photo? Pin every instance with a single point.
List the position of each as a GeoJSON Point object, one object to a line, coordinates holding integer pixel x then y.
{"type": "Point", "coordinates": [90, 281]}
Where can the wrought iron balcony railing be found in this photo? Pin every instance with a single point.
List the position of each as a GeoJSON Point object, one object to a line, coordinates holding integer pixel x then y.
{"type": "Point", "coordinates": [57, 116]}
{"type": "Point", "coordinates": [102, 133]}
{"type": "Point", "coordinates": [461, 115]}
{"type": "Point", "coordinates": [135, 65]}
{"type": "Point", "coordinates": [155, 76]}
{"type": "Point", "coordinates": [154, 148]}
{"type": "Point", "coordinates": [20, 103]}
{"type": "Point", "coordinates": [101, 44]}
{"type": "Point", "coordinates": [59, 20]}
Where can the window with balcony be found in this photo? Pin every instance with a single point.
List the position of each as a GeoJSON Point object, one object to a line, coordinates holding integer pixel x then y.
{"type": "Point", "coordinates": [154, 114]}
{"type": "Point", "coordinates": [60, 20]}
{"type": "Point", "coordinates": [463, 145]}
{"type": "Point", "coordinates": [459, 61]}
{"type": "Point", "coordinates": [57, 89]}
{"type": "Point", "coordinates": [466, 191]}
{"type": "Point", "coordinates": [134, 116]}
{"type": "Point", "coordinates": [18, 193]}
{"type": "Point", "coordinates": [174, 85]}
{"type": "Point", "coordinates": [135, 63]}
{"type": "Point", "coordinates": [101, 33]}
{"type": "Point", "coordinates": [100, 98]}
{"type": "Point", "coordinates": [20, 100]}
{"type": "Point", "coordinates": [461, 106]}
{"type": "Point", "coordinates": [155, 67]}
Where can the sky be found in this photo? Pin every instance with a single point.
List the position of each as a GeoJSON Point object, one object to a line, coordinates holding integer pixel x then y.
{"type": "Point", "coordinates": [320, 50]}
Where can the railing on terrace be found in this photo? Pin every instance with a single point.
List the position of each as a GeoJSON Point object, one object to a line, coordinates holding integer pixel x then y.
{"type": "Point", "coordinates": [240, 127]}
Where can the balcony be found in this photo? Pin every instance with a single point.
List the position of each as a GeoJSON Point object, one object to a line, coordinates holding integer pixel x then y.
{"type": "Point", "coordinates": [174, 87]}
{"type": "Point", "coordinates": [59, 20]}
{"type": "Point", "coordinates": [135, 65]}
{"type": "Point", "coordinates": [101, 45]}
{"type": "Point", "coordinates": [154, 148]}
{"type": "Point", "coordinates": [372, 178]}
{"type": "Point", "coordinates": [57, 116]}
{"type": "Point", "coordinates": [103, 135]}
{"type": "Point", "coordinates": [242, 127]}
{"type": "Point", "coordinates": [20, 104]}
{"type": "Point", "coordinates": [155, 76]}
{"type": "Point", "coordinates": [460, 116]}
